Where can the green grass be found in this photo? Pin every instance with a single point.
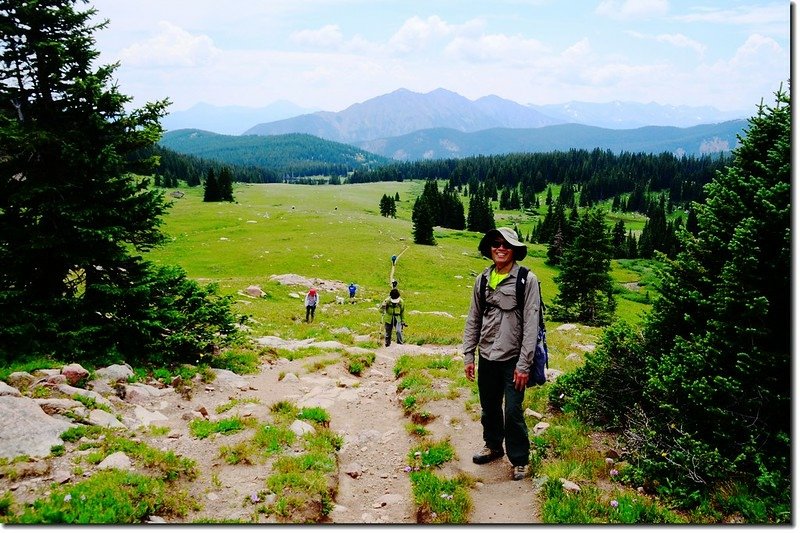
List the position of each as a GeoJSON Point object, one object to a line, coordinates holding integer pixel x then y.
{"type": "Point", "coordinates": [336, 233]}
{"type": "Point", "coordinates": [202, 429]}
{"type": "Point", "coordinates": [108, 497]}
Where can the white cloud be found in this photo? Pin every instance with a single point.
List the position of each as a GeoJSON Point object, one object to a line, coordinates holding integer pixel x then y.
{"type": "Point", "coordinates": [632, 9]}
{"type": "Point", "coordinates": [171, 47]}
{"type": "Point", "coordinates": [499, 48]}
{"type": "Point", "coordinates": [328, 36]}
{"type": "Point", "coordinates": [750, 15]}
{"type": "Point", "coordinates": [417, 34]}
{"type": "Point", "coordinates": [678, 40]}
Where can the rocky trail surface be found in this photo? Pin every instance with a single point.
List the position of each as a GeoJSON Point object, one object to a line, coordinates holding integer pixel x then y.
{"type": "Point", "coordinates": [373, 484]}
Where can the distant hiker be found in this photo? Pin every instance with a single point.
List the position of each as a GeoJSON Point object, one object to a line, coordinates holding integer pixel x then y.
{"type": "Point", "coordinates": [352, 289]}
{"type": "Point", "coordinates": [505, 337]}
{"type": "Point", "coordinates": [394, 283]}
{"type": "Point", "coordinates": [394, 259]}
{"type": "Point", "coordinates": [311, 304]}
{"type": "Point", "coordinates": [393, 316]}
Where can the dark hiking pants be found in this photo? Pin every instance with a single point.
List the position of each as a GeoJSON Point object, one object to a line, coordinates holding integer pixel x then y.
{"type": "Point", "coordinates": [310, 312]}
{"type": "Point", "coordinates": [501, 410]}
{"type": "Point", "coordinates": [398, 327]}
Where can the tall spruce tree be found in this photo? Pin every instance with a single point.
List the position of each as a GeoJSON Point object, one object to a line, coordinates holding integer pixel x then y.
{"type": "Point", "coordinates": [725, 309]}
{"type": "Point", "coordinates": [422, 221]}
{"type": "Point", "coordinates": [705, 406]}
{"type": "Point", "coordinates": [585, 288]}
{"type": "Point", "coordinates": [74, 212]}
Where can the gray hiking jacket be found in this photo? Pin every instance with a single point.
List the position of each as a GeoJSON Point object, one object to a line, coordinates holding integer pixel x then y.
{"type": "Point", "coordinates": [498, 335]}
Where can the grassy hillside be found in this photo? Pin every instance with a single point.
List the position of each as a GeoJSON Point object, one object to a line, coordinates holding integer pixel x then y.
{"type": "Point", "coordinates": [336, 233]}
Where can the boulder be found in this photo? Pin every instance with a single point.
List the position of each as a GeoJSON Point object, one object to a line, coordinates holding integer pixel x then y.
{"type": "Point", "coordinates": [20, 380]}
{"type": "Point", "coordinates": [26, 430]}
{"type": "Point", "coordinates": [74, 373]}
{"type": "Point", "coordinates": [8, 390]}
{"type": "Point", "coordinates": [98, 417]}
{"type": "Point", "coordinates": [115, 372]}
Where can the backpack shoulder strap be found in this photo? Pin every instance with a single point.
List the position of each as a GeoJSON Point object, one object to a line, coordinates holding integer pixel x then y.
{"type": "Point", "coordinates": [482, 290]}
{"type": "Point", "coordinates": [522, 281]}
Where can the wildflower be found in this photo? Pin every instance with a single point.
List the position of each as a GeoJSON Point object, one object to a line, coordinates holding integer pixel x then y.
{"type": "Point", "coordinates": [446, 496]}
{"type": "Point", "coordinates": [614, 504]}
{"type": "Point", "coordinates": [417, 454]}
{"type": "Point", "coordinates": [254, 498]}
{"type": "Point", "coordinates": [613, 472]}
{"type": "Point", "coordinates": [68, 498]}
{"type": "Point", "coordinates": [407, 469]}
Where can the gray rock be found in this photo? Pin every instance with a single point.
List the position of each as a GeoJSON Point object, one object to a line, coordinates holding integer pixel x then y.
{"type": "Point", "coordinates": [300, 428]}
{"type": "Point", "coordinates": [20, 380]}
{"type": "Point", "coordinates": [115, 372]}
{"type": "Point", "coordinates": [8, 390]}
{"type": "Point", "coordinates": [569, 486]}
{"type": "Point", "coordinates": [59, 406]}
{"type": "Point", "coordinates": [117, 460]}
{"type": "Point", "coordinates": [146, 417]}
{"type": "Point", "coordinates": [69, 390]}
{"type": "Point", "coordinates": [98, 417]}
{"type": "Point", "coordinates": [27, 430]}
{"type": "Point", "coordinates": [540, 428]}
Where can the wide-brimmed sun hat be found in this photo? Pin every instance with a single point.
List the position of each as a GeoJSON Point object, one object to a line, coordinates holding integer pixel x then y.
{"type": "Point", "coordinates": [510, 236]}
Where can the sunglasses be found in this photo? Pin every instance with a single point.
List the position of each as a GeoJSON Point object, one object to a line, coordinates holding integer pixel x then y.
{"type": "Point", "coordinates": [502, 244]}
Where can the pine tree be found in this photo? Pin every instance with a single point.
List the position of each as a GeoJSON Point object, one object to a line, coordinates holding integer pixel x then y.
{"type": "Point", "coordinates": [74, 213]}
{"type": "Point", "coordinates": [584, 283]}
{"type": "Point", "coordinates": [225, 185]}
{"type": "Point", "coordinates": [726, 308]}
{"type": "Point", "coordinates": [211, 192]}
{"type": "Point", "coordinates": [422, 220]}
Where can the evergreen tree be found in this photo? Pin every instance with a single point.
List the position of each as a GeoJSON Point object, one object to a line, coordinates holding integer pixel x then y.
{"type": "Point", "coordinates": [386, 206]}
{"type": "Point", "coordinates": [481, 216]}
{"type": "Point", "coordinates": [225, 185]}
{"type": "Point", "coordinates": [422, 220]}
{"type": "Point", "coordinates": [618, 244]}
{"type": "Point", "coordinates": [706, 404]}
{"type": "Point", "coordinates": [74, 215]}
{"type": "Point", "coordinates": [211, 192]}
{"type": "Point", "coordinates": [584, 283]}
{"type": "Point", "coordinates": [726, 307]}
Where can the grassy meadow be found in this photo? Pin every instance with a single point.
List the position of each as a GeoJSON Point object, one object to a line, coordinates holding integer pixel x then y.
{"type": "Point", "coordinates": [336, 233]}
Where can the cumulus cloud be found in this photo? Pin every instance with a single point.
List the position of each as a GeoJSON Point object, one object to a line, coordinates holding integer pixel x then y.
{"type": "Point", "coordinates": [632, 9]}
{"type": "Point", "coordinates": [172, 46]}
{"type": "Point", "coordinates": [678, 40]}
{"type": "Point", "coordinates": [418, 34]}
{"type": "Point", "coordinates": [500, 48]}
{"type": "Point", "coordinates": [326, 37]}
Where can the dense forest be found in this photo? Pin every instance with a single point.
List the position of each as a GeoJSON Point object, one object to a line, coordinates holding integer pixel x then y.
{"type": "Point", "coordinates": [289, 156]}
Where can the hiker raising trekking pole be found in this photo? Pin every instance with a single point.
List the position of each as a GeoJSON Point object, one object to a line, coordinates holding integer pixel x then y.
{"type": "Point", "coordinates": [505, 337]}
{"type": "Point", "coordinates": [393, 316]}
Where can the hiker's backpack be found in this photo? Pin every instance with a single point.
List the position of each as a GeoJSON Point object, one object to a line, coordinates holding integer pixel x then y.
{"type": "Point", "coordinates": [537, 374]}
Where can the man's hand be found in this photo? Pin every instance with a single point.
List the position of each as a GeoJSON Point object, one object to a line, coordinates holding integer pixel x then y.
{"type": "Point", "coordinates": [469, 371]}
{"type": "Point", "coordinates": [520, 380]}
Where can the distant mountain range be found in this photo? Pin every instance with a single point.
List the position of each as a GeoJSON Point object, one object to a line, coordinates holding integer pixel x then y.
{"type": "Point", "coordinates": [230, 120]}
{"type": "Point", "coordinates": [443, 143]}
{"type": "Point", "coordinates": [407, 125]}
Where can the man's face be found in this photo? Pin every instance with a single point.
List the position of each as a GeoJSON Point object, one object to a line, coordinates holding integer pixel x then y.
{"type": "Point", "coordinates": [502, 252]}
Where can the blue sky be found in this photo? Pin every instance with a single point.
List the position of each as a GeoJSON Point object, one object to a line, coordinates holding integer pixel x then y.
{"type": "Point", "coordinates": [329, 54]}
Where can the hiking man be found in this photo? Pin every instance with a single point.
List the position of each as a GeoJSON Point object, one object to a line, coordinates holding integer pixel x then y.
{"type": "Point", "coordinates": [505, 344]}
{"type": "Point", "coordinates": [311, 304]}
{"type": "Point", "coordinates": [393, 316]}
{"type": "Point", "coordinates": [352, 290]}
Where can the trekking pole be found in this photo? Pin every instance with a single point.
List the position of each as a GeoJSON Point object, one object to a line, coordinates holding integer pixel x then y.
{"type": "Point", "coordinates": [394, 262]}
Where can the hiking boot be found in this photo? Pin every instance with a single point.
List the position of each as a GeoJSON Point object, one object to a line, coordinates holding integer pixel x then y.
{"type": "Point", "coordinates": [520, 471]}
{"type": "Point", "coordinates": [486, 455]}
